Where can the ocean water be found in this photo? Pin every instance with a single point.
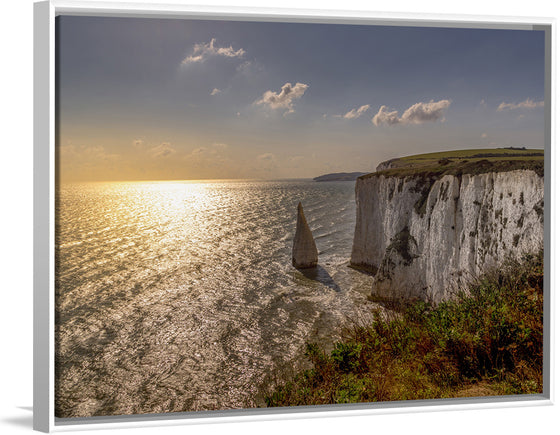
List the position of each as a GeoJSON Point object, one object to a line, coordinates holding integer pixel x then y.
{"type": "Point", "coordinates": [181, 296]}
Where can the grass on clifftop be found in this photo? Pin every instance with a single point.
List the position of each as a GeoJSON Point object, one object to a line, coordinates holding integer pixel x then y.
{"type": "Point", "coordinates": [488, 342]}
{"type": "Point", "coordinates": [476, 161]}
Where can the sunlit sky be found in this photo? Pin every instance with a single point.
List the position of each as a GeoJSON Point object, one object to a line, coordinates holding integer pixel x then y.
{"type": "Point", "coordinates": [168, 99]}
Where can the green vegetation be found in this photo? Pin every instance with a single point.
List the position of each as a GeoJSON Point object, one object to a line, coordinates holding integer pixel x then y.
{"type": "Point", "coordinates": [476, 161]}
{"type": "Point", "coordinates": [487, 342]}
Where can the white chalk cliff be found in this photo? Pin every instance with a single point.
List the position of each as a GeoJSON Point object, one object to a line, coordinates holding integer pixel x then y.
{"type": "Point", "coordinates": [304, 251]}
{"type": "Point", "coordinates": [426, 237]}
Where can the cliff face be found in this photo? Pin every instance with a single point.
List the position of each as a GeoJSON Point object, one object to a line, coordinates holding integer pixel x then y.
{"type": "Point", "coordinates": [424, 237]}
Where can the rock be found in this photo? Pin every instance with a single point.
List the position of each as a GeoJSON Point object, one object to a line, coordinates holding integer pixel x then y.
{"type": "Point", "coordinates": [304, 251]}
{"type": "Point", "coordinates": [427, 237]}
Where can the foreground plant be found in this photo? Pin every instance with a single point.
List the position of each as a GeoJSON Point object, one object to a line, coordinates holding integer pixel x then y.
{"type": "Point", "coordinates": [486, 341]}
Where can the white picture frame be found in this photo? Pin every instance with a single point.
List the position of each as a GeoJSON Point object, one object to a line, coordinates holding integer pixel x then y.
{"type": "Point", "coordinates": [44, 164]}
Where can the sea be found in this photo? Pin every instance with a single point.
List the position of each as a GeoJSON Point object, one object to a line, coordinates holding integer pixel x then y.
{"type": "Point", "coordinates": [178, 296]}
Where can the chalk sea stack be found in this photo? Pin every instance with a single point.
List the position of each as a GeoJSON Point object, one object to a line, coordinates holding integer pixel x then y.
{"type": "Point", "coordinates": [304, 252]}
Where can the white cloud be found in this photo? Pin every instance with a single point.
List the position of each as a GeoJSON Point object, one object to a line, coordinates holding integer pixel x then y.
{"type": "Point", "coordinates": [527, 104]}
{"type": "Point", "coordinates": [484, 135]}
{"type": "Point", "coordinates": [201, 52]}
{"type": "Point", "coordinates": [285, 98]}
{"type": "Point", "coordinates": [215, 91]}
{"type": "Point", "coordinates": [425, 112]}
{"type": "Point", "coordinates": [354, 113]}
{"type": "Point", "coordinates": [418, 113]}
{"type": "Point", "coordinates": [386, 117]}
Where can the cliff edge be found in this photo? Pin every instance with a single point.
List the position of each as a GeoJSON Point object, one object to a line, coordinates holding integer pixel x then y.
{"type": "Point", "coordinates": [429, 225]}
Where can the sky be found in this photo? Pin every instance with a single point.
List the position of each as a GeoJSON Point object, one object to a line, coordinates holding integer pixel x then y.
{"type": "Point", "coordinates": [172, 99]}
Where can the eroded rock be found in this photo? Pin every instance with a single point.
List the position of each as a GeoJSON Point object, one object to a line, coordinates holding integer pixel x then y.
{"type": "Point", "coordinates": [304, 251]}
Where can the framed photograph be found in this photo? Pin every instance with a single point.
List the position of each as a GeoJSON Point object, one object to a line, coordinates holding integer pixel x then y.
{"type": "Point", "coordinates": [248, 213]}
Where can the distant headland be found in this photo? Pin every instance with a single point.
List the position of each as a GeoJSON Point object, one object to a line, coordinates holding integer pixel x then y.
{"type": "Point", "coordinates": [340, 176]}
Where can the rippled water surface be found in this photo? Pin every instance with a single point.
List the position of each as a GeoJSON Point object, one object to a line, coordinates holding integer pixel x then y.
{"type": "Point", "coordinates": [180, 296]}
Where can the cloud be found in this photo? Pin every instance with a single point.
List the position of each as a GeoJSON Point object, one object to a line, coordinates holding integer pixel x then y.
{"type": "Point", "coordinates": [386, 117]}
{"type": "Point", "coordinates": [418, 113]}
{"type": "Point", "coordinates": [249, 68]}
{"type": "Point", "coordinates": [201, 52]}
{"type": "Point", "coordinates": [283, 99]}
{"type": "Point", "coordinates": [215, 91]}
{"type": "Point", "coordinates": [425, 112]}
{"type": "Point", "coordinates": [527, 104]}
{"type": "Point", "coordinates": [354, 113]}
{"type": "Point", "coordinates": [162, 150]}
{"type": "Point", "coordinates": [207, 152]}
{"type": "Point", "coordinates": [267, 157]}
{"type": "Point", "coordinates": [484, 135]}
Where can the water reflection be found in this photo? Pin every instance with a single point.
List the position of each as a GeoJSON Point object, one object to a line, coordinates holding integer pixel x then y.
{"type": "Point", "coordinates": [181, 296]}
